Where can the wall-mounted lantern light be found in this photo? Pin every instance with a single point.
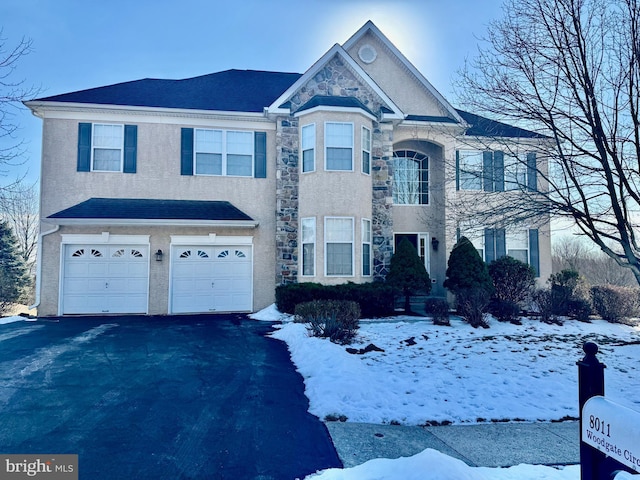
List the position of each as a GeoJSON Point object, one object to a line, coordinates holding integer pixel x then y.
{"type": "Point", "coordinates": [159, 255]}
{"type": "Point", "coordinates": [434, 243]}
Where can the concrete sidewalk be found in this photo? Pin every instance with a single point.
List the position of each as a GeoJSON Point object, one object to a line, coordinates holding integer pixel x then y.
{"type": "Point", "coordinates": [485, 445]}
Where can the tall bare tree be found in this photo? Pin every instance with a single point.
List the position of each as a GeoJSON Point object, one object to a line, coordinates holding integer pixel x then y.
{"type": "Point", "coordinates": [12, 92]}
{"type": "Point", "coordinates": [570, 70]}
{"type": "Point", "coordinates": [19, 210]}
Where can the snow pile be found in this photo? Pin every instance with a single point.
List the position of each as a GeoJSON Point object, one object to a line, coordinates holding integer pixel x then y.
{"type": "Point", "coordinates": [442, 467]}
{"type": "Point", "coordinates": [460, 374]}
{"type": "Point", "coordinates": [15, 318]}
{"type": "Point", "coordinates": [271, 314]}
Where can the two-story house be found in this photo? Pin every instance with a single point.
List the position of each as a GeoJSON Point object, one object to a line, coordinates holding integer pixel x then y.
{"type": "Point", "coordinates": [204, 194]}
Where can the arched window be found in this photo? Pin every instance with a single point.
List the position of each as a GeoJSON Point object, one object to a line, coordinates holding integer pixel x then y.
{"type": "Point", "coordinates": [410, 178]}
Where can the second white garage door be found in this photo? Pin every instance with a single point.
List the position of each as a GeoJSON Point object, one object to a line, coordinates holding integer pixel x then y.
{"type": "Point", "coordinates": [211, 279]}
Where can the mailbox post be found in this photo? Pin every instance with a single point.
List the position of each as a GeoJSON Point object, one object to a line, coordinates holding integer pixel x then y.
{"type": "Point", "coordinates": [609, 433]}
{"type": "Point", "coordinates": [590, 384]}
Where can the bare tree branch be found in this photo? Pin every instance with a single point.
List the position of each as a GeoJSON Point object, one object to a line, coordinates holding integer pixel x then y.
{"type": "Point", "coordinates": [568, 70]}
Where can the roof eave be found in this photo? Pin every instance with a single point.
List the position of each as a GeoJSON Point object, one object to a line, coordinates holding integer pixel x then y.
{"type": "Point", "coordinates": [38, 108]}
{"type": "Point", "coordinates": [126, 222]}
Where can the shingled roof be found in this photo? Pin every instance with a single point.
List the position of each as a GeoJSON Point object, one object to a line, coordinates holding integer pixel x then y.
{"type": "Point", "coordinates": [229, 91]}
{"type": "Point", "coordinates": [485, 127]}
{"type": "Point", "coordinates": [132, 209]}
{"type": "Point", "coordinates": [246, 91]}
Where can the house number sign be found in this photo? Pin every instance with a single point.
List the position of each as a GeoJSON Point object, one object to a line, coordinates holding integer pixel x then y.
{"type": "Point", "coordinates": [612, 429]}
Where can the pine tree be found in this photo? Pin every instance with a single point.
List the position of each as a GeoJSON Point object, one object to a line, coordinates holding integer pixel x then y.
{"type": "Point", "coordinates": [469, 280]}
{"type": "Point", "coordinates": [13, 271]}
{"type": "Point", "coordinates": [466, 269]}
{"type": "Point", "coordinates": [407, 273]}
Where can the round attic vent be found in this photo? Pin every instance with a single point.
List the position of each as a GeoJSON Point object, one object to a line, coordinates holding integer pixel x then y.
{"type": "Point", "coordinates": [367, 53]}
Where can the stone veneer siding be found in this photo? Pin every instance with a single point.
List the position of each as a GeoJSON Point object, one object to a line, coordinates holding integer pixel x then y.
{"type": "Point", "coordinates": [382, 222]}
{"type": "Point", "coordinates": [287, 185]}
{"type": "Point", "coordinates": [335, 79]}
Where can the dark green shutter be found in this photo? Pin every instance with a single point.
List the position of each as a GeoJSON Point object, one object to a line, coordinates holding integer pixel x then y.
{"type": "Point", "coordinates": [489, 245]}
{"type": "Point", "coordinates": [501, 242]}
{"type": "Point", "coordinates": [534, 250]}
{"type": "Point", "coordinates": [487, 171]}
{"type": "Point", "coordinates": [186, 151]}
{"type": "Point", "coordinates": [260, 154]}
{"type": "Point", "coordinates": [130, 148]}
{"type": "Point", "coordinates": [84, 147]}
{"type": "Point", "coordinates": [457, 169]}
{"type": "Point", "coordinates": [532, 172]}
{"type": "Point", "coordinates": [498, 171]}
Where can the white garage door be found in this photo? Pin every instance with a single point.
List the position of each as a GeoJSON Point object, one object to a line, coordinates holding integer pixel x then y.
{"type": "Point", "coordinates": [211, 279]}
{"type": "Point", "coordinates": [105, 279]}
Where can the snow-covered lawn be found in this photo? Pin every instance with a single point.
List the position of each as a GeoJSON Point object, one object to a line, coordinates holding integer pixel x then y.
{"type": "Point", "coordinates": [457, 374]}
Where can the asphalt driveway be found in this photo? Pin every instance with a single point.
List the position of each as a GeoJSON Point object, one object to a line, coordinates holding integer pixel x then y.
{"type": "Point", "coordinates": [188, 397]}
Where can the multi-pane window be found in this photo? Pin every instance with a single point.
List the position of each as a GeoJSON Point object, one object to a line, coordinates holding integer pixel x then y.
{"type": "Point", "coordinates": [470, 165]}
{"type": "Point", "coordinates": [515, 173]}
{"type": "Point", "coordinates": [208, 152]}
{"type": "Point", "coordinates": [518, 245]}
{"type": "Point", "coordinates": [338, 140]}
{"type": "Point", "coordinates": [366, 247]}
{"type": "Point", "coordinates": [366, 150]}
{"type": "Point", "coordinates": [410, 178]}
{"type": "Point", "coordinates": [107, 147]}
{"type": "Point", "coordinates": [496, 171]}
{"type": "Point", "coordinates": [221, 152]}
{"type": "Point", "coordinates": [309, 148]}
{"type": "Point", "coordinates": [338, 238]}
{"type": "Point", "coordinates": [308, 246]}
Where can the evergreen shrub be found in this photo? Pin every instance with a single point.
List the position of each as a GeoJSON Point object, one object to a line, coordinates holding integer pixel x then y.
{"type": "Point", "coordinates": [333, 319]}
{"type": "Point", "coordinates": [407, 273]}
{"type": "Point", "coordinates": [469, 280]}
{"type": "Point", "coordinates": [375, 299]}
{"type": "Point", "coordinates": [570, 295]}
{"type": "Point", "coordinates": [14, 280]}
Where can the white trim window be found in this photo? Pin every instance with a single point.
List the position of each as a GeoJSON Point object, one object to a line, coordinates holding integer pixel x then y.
{"type": "Point", "coordinates": [366, 150]}
{"type": "Point", "coordinates": [515, 172]}
{"type": "Point", "coordinates": [308, 148]}
{"type": "Point", "coordinates": [308, 231]}
{"type": "Point", "coordinates": [517, 245]}
{"type": "Point", "coordinates": [338, 142]}
{"type": "Point", "coordinates": [471, 163]}
{"type": "Point", "coordinates": [107, 146]}
{"type": "Point", "coordinates": [410, 178]}
{"type": "Point", "coordinates": [338, 246]}
{"type": "Point", "coordinates": [367, 258]}
{"type": "Point", "coordinates": [222, 152]}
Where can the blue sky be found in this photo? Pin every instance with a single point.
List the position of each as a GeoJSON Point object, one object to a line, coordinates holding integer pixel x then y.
{"type": "Point", "coordinates": [80, 44]}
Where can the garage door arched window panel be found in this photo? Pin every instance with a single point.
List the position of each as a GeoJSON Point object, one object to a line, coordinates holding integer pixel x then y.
{"type": "Point", "coordinates": [96, 253]}
{"type": "Point", "coordinates": [78, 253]}
{"type": "Point", "coordinates": [410, 178]}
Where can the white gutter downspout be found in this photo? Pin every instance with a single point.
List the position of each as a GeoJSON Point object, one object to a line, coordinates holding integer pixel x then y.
{"type": "Point", "coordinates": [39, 265]}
